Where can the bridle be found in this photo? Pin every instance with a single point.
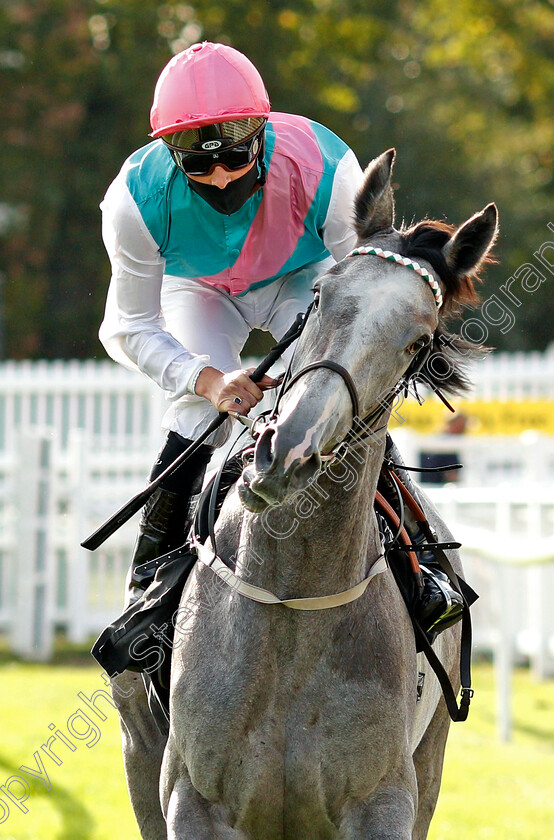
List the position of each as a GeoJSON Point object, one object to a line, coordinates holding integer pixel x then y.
{"type": "Point", "coordinates": [391, 256]}
{"type": "Point", "coordinates": [364, 427]}
{"type": "Point", "coordinates": [361, 428]}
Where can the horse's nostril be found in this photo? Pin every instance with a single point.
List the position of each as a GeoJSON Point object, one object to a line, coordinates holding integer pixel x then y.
{"type": "Point", "coordinates": [264, 451]}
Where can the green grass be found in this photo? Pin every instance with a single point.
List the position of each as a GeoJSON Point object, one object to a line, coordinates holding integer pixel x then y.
{"type": "Point", "coordinates": [88, 799]}
{"type": "Point", "coordinates": [500, 791]}
{"type": "Point", "coordinates": [491, 790]}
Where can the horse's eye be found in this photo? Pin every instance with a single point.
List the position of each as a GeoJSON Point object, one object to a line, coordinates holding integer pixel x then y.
{"type": "Point", "coordinates": [316, 298]}
{"type": "Point", "coordinates": [418, 345]}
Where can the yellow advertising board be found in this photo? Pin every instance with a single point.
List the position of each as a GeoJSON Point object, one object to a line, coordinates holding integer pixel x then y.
{"type": "Point", "coordinates": [484, 418]}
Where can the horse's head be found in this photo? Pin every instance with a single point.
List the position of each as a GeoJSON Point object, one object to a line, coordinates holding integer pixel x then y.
{"type": "Point", "coordinates": [372, 316]}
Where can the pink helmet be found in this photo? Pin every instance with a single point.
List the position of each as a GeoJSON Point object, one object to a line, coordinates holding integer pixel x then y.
{"type": "Point", "coordinates": [205, 84]}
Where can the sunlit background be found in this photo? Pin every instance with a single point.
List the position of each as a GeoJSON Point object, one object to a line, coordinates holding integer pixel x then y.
{"type": "Point", "coordinates": [464, 92]}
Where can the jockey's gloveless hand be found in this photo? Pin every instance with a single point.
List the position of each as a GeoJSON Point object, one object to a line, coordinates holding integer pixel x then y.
{"type": "Point", "coordinates": [233, 392]}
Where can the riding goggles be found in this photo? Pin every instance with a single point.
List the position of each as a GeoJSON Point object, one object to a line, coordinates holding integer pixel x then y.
{"type": "Point", "coordinates": [232, 145]}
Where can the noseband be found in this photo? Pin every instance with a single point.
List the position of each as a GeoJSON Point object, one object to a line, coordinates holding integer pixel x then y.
{"type": "Point", "coordinates": [347, 379]}
{"type": "Point", "coordinates": [361, 427]}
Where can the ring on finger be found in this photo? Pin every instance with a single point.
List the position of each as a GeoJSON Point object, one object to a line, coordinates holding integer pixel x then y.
{"type": "Point", "coordinates": [237, 400]}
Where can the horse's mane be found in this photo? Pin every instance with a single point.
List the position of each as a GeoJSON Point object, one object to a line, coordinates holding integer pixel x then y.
{"type": "Point", "coordinates": [451, 353]}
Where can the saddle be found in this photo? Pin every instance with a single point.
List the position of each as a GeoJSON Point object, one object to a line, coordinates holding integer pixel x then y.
{"type": "Point", "coordinates": [141, 638]}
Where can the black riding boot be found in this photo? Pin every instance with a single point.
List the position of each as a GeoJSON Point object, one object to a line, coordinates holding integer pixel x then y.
{"type": "Point", "coordinates": [167, 515]}
{"type": "Point", "coordinates": [439, 605]}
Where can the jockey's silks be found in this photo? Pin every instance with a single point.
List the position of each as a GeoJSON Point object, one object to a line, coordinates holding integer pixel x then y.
{"type": "Point", "coordinates": [278, 230]}
{"type": "Point", "coordinates": [188, 282]}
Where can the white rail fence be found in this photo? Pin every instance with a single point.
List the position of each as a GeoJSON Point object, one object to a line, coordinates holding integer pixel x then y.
{"type": "Point", "coordinates": [514, 376]}
{"type": "Point", "coordinates": [116, 407]}
{"type": "Point", "coordinates": [78, 439]}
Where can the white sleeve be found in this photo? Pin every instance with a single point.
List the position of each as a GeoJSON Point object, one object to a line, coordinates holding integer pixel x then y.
{"type": "Point", "coordinates": [133, 330]}
{"type": "Point", "coordinates": [339, 236]}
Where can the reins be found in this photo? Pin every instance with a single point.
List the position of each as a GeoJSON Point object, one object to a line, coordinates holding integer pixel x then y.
{"type": "Point", "coordinates": [134, 504]}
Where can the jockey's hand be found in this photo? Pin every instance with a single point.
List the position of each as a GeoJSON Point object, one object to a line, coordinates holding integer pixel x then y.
{"type": "Point", "coordinates": [224, 389]}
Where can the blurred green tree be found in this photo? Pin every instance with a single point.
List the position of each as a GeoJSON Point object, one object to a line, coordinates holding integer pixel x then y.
{"type": "Point", "coordinates": [464, 92]}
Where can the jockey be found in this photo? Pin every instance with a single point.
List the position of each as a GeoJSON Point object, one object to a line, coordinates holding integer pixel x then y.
{"type": "Point", "coordinates": [218, 226]}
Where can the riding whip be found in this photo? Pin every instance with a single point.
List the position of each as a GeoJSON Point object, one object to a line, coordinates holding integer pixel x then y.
{"type": "Point", "coordinates": [121, 516]}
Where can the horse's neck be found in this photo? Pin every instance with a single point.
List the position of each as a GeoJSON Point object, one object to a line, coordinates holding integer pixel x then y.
{"type": "Point", "coordinates": [320, 542]}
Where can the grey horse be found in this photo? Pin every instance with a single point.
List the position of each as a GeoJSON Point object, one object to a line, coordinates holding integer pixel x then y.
{"type": "Point", "coordinates": [304, 724]}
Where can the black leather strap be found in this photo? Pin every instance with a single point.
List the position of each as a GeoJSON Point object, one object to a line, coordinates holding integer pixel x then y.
{"type": "Point", "coordinates": [457, 713]}
{"type": "Point", "coordinates": [330, 365]}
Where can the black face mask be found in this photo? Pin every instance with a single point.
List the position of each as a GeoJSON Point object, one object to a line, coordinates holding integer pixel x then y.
{"type": "Point", "coordinates": [232, 197]}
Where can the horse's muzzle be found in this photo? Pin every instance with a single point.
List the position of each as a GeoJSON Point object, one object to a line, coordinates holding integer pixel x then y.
{"type": "Point", "coordinates": [279, 471]}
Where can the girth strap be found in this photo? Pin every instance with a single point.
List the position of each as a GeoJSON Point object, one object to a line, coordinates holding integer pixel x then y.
{"type": "Point", "coordinates": [264, 596]}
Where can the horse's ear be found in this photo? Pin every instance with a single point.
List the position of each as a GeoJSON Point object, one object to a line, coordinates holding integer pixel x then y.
{"type": "Point", "coordinates": [471, 243]}
{"type": "Point", "coordinates": [374, 203]}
